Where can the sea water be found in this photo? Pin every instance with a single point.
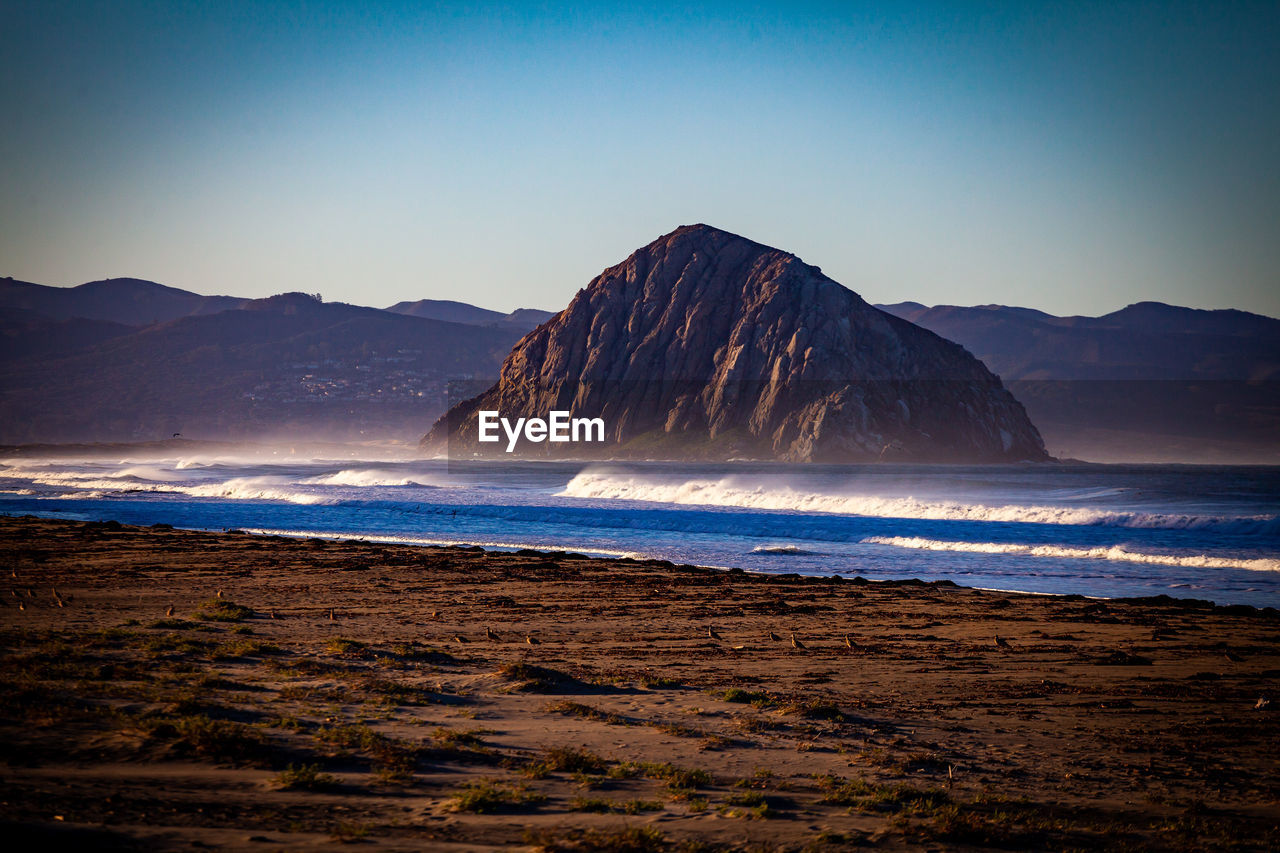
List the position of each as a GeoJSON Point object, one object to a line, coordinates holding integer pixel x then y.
{"type": "Point", "coordinates": [1094, 530]}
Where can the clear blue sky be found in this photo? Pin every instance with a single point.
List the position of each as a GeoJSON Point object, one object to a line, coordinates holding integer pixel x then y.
{"type": "Point", "coordinates": [1069, 156]}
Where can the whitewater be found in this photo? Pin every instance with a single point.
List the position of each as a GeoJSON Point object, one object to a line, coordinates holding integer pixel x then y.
{"type": "Point", "coordinates": [1094, 530]}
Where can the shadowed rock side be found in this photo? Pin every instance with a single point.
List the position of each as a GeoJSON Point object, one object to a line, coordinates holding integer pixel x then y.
{"type": "Point", "coordinates": [706, 345]}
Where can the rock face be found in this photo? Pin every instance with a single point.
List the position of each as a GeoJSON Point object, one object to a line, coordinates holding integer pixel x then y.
{"type": "Point", "coordinates": [707, 345]}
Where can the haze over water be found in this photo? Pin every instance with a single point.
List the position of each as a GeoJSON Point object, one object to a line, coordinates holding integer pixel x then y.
{"type": "Point", "coordinates": [1095, 530]}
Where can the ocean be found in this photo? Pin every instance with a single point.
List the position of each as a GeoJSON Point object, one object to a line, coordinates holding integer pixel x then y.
{"type": "Point", "coordinates": [1093, 530]}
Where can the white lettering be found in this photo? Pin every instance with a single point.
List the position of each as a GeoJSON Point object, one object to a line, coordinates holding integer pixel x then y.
{"type": "Point", "coordinates": [512, 434]}
{"type": "Point", "coordinates": [587, 425]}
{"type": "Point", "coordinates": [559, 426]}
{"type": "Point", "coordinates": [488, 425]}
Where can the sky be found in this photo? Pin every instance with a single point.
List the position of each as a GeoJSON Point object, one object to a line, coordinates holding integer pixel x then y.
{"type": "Point", "coordinates": [1072, 156]}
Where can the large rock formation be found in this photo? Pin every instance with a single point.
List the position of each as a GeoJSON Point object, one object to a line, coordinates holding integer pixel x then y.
{"type": "Point", "coordinates": [704, 344]}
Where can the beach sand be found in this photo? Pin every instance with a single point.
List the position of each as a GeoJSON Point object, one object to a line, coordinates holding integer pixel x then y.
{"type": "Point", "coordinates": [305, 694]}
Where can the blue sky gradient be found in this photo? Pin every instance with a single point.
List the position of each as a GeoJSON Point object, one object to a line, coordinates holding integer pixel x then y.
{"type": "Point", "coordinates": [1072, 157]}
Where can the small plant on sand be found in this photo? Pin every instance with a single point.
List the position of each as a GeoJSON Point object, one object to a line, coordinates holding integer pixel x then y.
{"type": "Point", "coordinates": [305, 777]}
{"type": "Point", "coordinates": [748, 804]}
{"type": "Point", "coordinates": [567, 759]}
{"type": "Point", "coordinates": [485, 795]}
{"type": "Point", "coordinates": [347, 833]}
{"type": "Point", "coordinates": [528, 678]}
{"type": "Point", "coordinates": [359, 737]}
{"type": "Point", "coordinates": [423, 654]}
{"type": "Point", "coordinates": [220, 740]}
{"type": "Point", "coordinates": [243, 649]}
{"type": "Point", "coordinates": [602, 806]}
{"type": "Point", "coordinates": [588, 780]}
{"type": "Point", "coordinates": [587, 712]}
{"type": "Point", "coordinates": [458, 738]}
{"type": "Point", "coordinates": [171, 624]}
{"type": "Point", "coordinates": [818, 709]}
{"type": "Point", "coordinates": [681, 730]}
{"type": "Point", "coordinates": [677, 778]}
{"type": "Point", "coordinates": [869, 797]}
{"type": "Point", "coordinates": [345, 647]}
{"type": "Point", "coordinates": [757, 698]}
{"type": "Point", "coordinates": [633, 839]}
{"type": "Point", "coordinates": [395, 692]}
{"type": "Point", "coordinates": [393, 760]}
{"type": "Point", "coordinates": [161, 643]}
{"type": "Point", "coordinates": [595, 805]}
{"type": "Point", "coordinates": [221, 610]}
{"type": "Point", "coordinates": [760, 779]}
{"type": "Point", "coordinates": [290, 723]}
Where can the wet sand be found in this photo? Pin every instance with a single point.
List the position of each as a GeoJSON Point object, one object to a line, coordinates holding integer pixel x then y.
{"type": "Point", "coordinates": [169, 689]}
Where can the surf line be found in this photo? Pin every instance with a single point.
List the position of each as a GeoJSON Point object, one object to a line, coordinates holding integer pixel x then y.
{"type": "Point", "coordinates": [559, 426]}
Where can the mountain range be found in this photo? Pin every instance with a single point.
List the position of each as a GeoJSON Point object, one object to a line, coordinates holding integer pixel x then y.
{"type": "Point", "coordinates": [94, 368]}
{"type": "Point", "coordinates": [1150, 382]}
{"type": "Point", "coordinates": [125, 359]}
{"type": "Point", "coordinates": [1144, 341]}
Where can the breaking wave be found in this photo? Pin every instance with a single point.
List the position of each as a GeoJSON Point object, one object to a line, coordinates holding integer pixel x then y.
{"type": "Point", "coordinates": [727, 492]}
{"type": "Point", "coordinates": [255, 488]}
{"type": "Point", "coordinates": [1113, 552]}
{"type": "Point", "coordinates": [93, 485]}
{"type": "Point", "coordinates": [365, 477]}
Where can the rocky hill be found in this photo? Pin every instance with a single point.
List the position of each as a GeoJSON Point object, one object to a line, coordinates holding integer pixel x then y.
{"type": "Point", "coordinates": [704, 344]}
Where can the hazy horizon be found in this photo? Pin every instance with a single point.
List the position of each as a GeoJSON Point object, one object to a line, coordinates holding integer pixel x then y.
{"type": "Point", "coordinates": [555, 309]}
{"type": "Point", "coordinates": [1071, 158]}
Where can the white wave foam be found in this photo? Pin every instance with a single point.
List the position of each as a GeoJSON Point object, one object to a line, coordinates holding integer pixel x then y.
{"type": "Point", "coordinates": [146, 472]}
{"type": "Point", "coordinates": [255, 488]}
{"type": "Point", "coordinates": [727, 492]}
{"type": "Point", "coordinates": [783, 550]}
{"type": "Point", "coordinates": [239, 488]}
{"type": "Point", "coordinates": [97, 481]}
{"type": "Point", "coordinates": [365, 477]}
{"type": "Point", "coordinates": [1114, 552]}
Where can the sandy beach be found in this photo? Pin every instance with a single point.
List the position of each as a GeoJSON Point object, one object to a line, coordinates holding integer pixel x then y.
{"type": "Point", "coordinates": [167, 689]}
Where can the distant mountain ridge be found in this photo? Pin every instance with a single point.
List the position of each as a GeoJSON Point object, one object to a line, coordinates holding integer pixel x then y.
{"type": "Point", "coordinates": [704, 344]}
{"type": "Point", "coordinates": [137, 302]}
{"type": "Point", "coordinates": [461, 312]}
{"type": "Point", "coordinates": [1143, 341]}
{"type": "Point", "coordinates": [1149, 382]}
{"type": "Point", "coordinates": [130, 301]}
{"type": "Point", "coordinates": [284, 366]}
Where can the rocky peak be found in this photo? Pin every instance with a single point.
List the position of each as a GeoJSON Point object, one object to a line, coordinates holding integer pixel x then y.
{"type": "Point", "coordinates": [708, 344]}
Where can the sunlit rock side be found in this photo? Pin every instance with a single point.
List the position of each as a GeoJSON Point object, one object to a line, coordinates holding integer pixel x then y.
{"type": "Point", "coordinates": [704, 344]}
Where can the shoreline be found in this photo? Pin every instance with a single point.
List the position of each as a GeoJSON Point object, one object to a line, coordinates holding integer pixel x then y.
{"type": "Point", "coordinates": [836, 577]}
{"type": "Point", "coordinates": [165, 687]}
{"type": "Point", "coordinates": [513, 547]}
